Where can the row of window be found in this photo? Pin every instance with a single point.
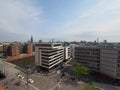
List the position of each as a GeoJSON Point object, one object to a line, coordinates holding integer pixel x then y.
{"type": "Point", "coordinates": [89, 57]}
{"type": "Point", "coordinates": [52, 51]}
{"type": "Point", "coordinates": [51, 64]}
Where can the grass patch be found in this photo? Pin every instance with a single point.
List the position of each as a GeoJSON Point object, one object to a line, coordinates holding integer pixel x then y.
{"type": "Point", "coordinates": [90, 87]}
{"type": "Point", "coordinates": [1, 54]}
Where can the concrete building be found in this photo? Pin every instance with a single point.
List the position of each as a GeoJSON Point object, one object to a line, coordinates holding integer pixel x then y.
{"type": "Point", "coordinates": [67, 53]}
{"type": "Point", "coordinates": [48, 55]}
{"type": "Point", "coordinates": [110, 62]}
{"type": "Point", "coordinates": [88, 56]}
{"type": "Point", "coordinates": [105, 61]}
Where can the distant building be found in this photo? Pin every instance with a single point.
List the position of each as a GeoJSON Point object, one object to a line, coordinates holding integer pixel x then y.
{"type": "Point", "coordinates": [40, 41]}
{"type": "Point", "coordinates": [31, 39]}
{"type": "Point", "coordinates": [105, 41]}
{"type": "Point", "coordinates": [49, 55]}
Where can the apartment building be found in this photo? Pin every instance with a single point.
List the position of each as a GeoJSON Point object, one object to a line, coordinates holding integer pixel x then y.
{"type": "Point", "coordinates": [88, 56]}
{"type": "Point", "coordinates": [110, 62]}
{"type": "Point", "coordinates": [48, 55]}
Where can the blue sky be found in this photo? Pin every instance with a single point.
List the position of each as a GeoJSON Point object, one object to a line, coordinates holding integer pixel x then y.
{"type": "Point", "coordinates": [65, 20]}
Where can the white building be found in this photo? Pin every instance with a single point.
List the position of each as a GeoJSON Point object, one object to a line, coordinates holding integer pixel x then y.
{"type": "Point", "coordinates": [48, 55]}
{"type": "Point", "coordinates": [67, 53]}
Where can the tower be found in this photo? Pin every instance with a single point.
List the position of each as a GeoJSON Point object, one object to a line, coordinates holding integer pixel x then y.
{"type": "Point", "coordinates": [31, 39]}
{"type": "Point", "coordinates": [97, 40]}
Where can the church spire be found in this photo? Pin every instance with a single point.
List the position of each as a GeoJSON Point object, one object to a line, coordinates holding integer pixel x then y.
{"type": "Point", "coordinates": [31, 39]}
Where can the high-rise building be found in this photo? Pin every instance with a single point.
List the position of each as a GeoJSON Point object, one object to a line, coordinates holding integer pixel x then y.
{"type": "Point", "coordinates": [49, 55]}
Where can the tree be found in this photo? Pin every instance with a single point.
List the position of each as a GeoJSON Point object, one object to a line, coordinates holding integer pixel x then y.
{"type": "Point", "coordinates": [90, 87]}
{"type": "Point", "coordinates": [80, 69]}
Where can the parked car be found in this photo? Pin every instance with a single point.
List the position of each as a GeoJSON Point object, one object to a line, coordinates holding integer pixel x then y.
{"type": "Point", "coordinates": [30, 81]}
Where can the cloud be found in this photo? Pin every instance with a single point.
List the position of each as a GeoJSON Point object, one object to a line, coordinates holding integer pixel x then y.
{"type": "Point", "coordinates": [18, 16]}
{"type": "Point", "coordinates": [102, 19]}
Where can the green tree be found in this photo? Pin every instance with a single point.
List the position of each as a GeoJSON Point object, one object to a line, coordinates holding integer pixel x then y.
{"type": "Point", "coordinates": [80, 69]}
{"type": "Point", "coordinates": [90, 87]}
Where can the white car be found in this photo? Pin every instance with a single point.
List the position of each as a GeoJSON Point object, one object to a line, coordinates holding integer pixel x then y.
{"type": "Point", "coordinates": [20, 76]}
{"type": "Point", "coordinates": [30, 81]}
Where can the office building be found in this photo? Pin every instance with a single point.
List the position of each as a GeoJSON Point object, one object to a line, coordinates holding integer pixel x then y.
{"type": "Point", "coordinates": [110, 62]}
{"type": "Point", "coordinates": [67, 53]}
{"type": "Point", "coordinates": [88, 56]}
{"type": "Point", "coordinates": [48, 55]}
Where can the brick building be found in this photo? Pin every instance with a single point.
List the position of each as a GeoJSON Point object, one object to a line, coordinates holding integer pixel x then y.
{"type": "Point", "coordinates": [28, 48]}
{"type": "Point", "coordinates": [11, 50]}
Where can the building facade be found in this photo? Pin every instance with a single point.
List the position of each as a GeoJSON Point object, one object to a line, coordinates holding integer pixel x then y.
{"type": "Point", "coordinates": [11, 50]}
{"type": "Point", "coordinates": [1, 48]}
{"type": "Point", "coordinates": [88, 56]}
{"type": "Point", "coordinates": [67, 53]}
{"type": "Point", "coordinates": [28, 48]}
{"type": "Point", "coordinates": [48, 55]}
{"type": "Point", "coordinates": [14, 50]}
{"type": "Point", "coordinates": [105, 61]}
{"type": "Point", "coordinates": [110, 62]}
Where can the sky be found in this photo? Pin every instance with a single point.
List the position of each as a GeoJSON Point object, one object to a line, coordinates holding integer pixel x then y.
{"type": "Point", "coordinates": [63, 20]}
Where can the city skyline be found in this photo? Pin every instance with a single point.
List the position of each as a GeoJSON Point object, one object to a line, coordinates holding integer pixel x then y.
{"type": "Point", "coordinates": [65, 20]}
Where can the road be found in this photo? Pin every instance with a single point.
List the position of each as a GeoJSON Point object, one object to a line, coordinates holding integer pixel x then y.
{"type": "Point", "coordinates": [106, 86]}
{"type": "Point", "coordinates": [11, 71]}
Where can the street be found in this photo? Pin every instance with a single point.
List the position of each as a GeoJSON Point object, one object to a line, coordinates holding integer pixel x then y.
{"type": "Point", "coordinates": [10, 72]}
